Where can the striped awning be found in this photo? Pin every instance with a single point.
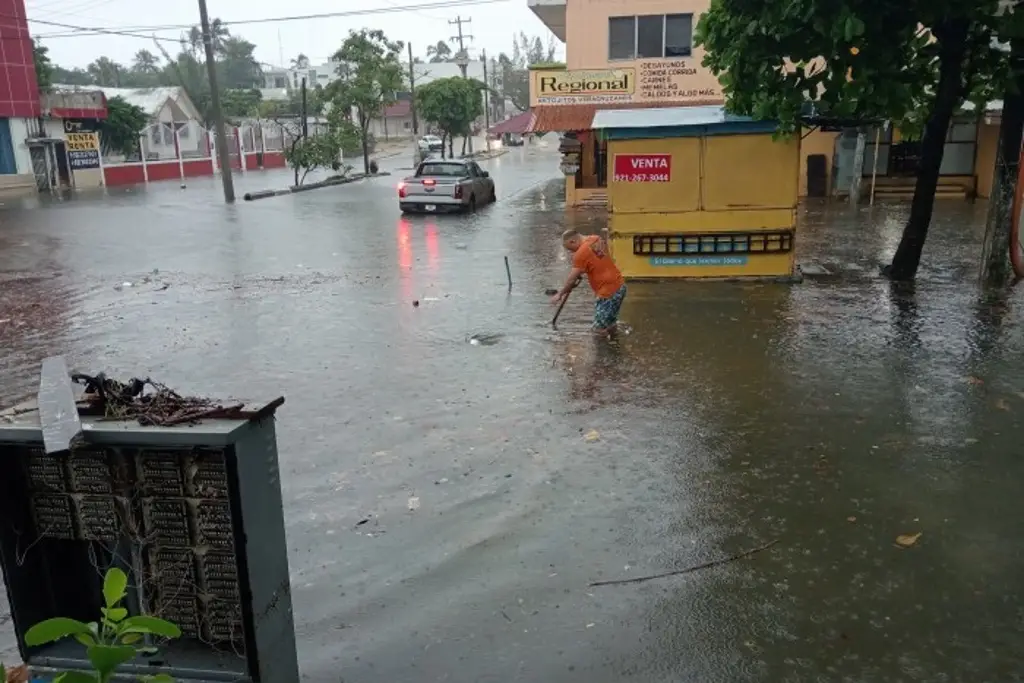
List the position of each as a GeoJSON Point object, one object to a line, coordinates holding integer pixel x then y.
{"type": "Point", "coordinates": [567, 117]}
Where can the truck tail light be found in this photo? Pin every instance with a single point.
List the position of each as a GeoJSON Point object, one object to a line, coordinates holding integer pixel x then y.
{"type": "Point", "coordinates": [430, 182]}
{"type": "Point", "coordinates": [401, 190]}
{"type": "Point", "coordinates": [458, 191]}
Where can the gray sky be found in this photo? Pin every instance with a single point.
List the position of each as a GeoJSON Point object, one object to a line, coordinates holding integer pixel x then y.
{"type": "Point", "coordinates": [492, 25]}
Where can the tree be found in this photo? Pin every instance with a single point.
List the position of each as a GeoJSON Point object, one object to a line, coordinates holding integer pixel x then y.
{"type": "Point", "coordinates": [218, 34]}
{"type": "Point", "coordinates": [241, 103]}
{"type": "Point", "coordinates": [451, 104]}
{"type": "Point", "coordinates": [145, 62]}
{"type": "Point", "coordinates": [309, 154]}
{"type": "Point", "coordinates": [300, 62]}
{"type": "Point", "coordinates": [514, 69]}
{"type": "Point", "coordinates": [119, 132]}
{"type": "Point", "coordinates": [439, 52]}
{"type": "Point", "coordinates": [369, 76]}
{"type": "Point", "coordinates": [44, 67]}
{"type": "Point", "coordinates": [995, 256]}
{"type": "Point", "coordinates": [106, 72]}
{"type": "Point", "coordinates": [238, 65]}
{"type": "Point", "coordinates": [855, 61]}
{"type": "Point", "coordinates": [74, 76]}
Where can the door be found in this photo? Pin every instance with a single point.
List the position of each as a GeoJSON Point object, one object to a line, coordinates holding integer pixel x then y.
{"type": "Point", "coordinates": [8, 165]}
{"type": "Point", "coordinates": [63, 170]}
{"type": "Point", "coordinates": [817, 175]}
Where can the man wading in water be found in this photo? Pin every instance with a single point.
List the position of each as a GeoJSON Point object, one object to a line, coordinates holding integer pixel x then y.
{"type": "Point", "coordinates": [590, 257]}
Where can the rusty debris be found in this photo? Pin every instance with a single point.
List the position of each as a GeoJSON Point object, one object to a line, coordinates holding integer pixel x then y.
{"type": "Point", "coordinates": [148, 402]}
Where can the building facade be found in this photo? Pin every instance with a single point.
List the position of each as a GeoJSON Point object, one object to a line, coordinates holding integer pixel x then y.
{"type": "Point", "coordinates": [623, 54]}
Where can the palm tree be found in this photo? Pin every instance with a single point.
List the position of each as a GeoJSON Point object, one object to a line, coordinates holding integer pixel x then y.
{"type": "Point", "coordinates": [105, 71]}
{"type": "Point", "coordinates": [145, 62]}
{"type": "Point", "coordinates": [439, 52]}
{"type": "Point", "coordinates": [218, 34]}
{"type": "Point", "coordinates": [300, 62]}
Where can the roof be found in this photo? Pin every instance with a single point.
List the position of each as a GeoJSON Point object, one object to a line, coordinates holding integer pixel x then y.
{"type": "Point", "coordinates": [149, 100]}
{"type": "Point", "coordinates": [398, 109]}
{"type": "Point", "coordinates": [520, 123]}
{"type": "Point", "coordinates": [565, 117]}
{"type": "Point", "coordinates": [677, 121]}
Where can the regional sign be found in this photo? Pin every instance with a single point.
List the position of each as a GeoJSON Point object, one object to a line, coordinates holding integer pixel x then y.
{"type": "Point", "coordinates": [83, 150]}
{"type": "Point", "coordinates": [567, 87]}
{"type": "Point", "coordinates": [642, 168]}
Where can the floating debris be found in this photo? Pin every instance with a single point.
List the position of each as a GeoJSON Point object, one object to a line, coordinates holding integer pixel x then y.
{"type": "Point", "coordinates": [907, 540]}
{"type": "Point", "coordinates": [148, 402]}
{"type": "Point", "coordinates": [485, 339]}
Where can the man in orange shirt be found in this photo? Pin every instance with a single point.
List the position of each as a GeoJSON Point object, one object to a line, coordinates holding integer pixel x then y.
{"type": "Point", "coordinates": [591, 258]}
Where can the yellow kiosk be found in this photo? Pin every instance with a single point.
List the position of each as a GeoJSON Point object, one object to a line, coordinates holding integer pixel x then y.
{"type": "Point", "coordinates": [695, 192]}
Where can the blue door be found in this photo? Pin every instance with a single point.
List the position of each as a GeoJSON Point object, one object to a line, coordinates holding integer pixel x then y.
{"type": "Point", "coordinates": [7, 163]}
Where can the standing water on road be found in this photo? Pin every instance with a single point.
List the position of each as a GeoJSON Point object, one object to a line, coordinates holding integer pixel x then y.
{"type": "Point", "coordinates": [449, 503]}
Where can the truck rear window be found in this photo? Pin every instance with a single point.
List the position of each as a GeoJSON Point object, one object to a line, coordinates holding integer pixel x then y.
{"type": "Point", "coordinates": [442, 169]}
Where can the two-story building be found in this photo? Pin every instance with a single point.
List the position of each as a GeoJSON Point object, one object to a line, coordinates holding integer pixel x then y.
{"type": "Point", "coordinates": [623, 54]}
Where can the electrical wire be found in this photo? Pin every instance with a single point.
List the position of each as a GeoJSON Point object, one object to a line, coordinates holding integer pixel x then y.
{"type": "Point", "coordinates": [77, 31]}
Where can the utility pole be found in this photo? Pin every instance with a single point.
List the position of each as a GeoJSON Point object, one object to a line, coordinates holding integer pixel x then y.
{"type": "Point", "coordinates": [412, 88]}
{"type": "Point", "coordinates": [462, 59]}
{"type": "Point", "coordinates": [305, 114]}
{"type": "Point", "coordinates": [487, 92]}
{"type": "Point", "coordinates": [219, 133]}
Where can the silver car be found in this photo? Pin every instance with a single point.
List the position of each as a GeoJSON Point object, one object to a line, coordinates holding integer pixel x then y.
{"type": "Point", "coordinates": [445, 185]}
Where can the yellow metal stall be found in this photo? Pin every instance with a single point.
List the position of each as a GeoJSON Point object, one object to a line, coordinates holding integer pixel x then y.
{"type": "Point", "coordinates": [695, 192]}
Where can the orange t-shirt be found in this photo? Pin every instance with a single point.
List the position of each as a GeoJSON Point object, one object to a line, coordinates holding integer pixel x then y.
{"type": "Point", "coordinates": [602, 273]}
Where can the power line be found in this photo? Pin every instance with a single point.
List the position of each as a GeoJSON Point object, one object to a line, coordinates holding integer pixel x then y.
{"type": "Point", "coordinates": [77, 31]}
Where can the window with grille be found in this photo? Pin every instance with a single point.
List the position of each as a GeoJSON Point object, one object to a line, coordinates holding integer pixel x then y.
{"type": "Point", "coordinates": [715, 243]}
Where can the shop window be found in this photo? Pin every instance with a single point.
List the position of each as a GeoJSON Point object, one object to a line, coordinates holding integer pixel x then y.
{"type": "Point", "coordinates": [650, 36]}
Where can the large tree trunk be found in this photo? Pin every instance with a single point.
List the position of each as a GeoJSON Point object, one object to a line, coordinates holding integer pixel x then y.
{"type": "Point", "coordinates": [995, 254]}
{"type": "Point", "coordinates": [952, 37]}
{"type": "Point", "coordinates": [364, 125]}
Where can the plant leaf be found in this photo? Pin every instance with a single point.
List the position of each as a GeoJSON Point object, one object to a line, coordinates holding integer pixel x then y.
{"type": "Point", "coordinates": [86, 639]}
{"type": "Point", "coordinates": [115, 614]}
{"type": "Point", "coordinates": [153, 625]}
{"type": "Point", "coordinates": [114, 586]}
{"type": "Point", "coordinates": [106, 658]}
{"type": "Point", "coordinates": [131, 638]}
{"type": "Point", "coordinates": [52, 630]}
{"type": "Point", "coordinates": [75, 677]}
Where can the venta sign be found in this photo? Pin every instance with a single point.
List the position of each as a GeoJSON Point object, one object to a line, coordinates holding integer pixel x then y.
{"type": "Point", "coordinates": [642, 168]}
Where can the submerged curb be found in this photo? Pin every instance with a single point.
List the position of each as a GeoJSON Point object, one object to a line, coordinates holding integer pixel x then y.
{"type": "Point", "coordinates": [330, 182]}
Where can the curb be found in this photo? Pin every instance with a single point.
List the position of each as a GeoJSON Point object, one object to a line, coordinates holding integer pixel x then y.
{"type": "Point", "coordinates": [484, 156]}
{"type": "Point", "coordinates": [294, 189]}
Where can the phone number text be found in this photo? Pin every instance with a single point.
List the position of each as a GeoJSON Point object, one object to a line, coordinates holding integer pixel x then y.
{"type": "Point", "coordinates": [641, 177]}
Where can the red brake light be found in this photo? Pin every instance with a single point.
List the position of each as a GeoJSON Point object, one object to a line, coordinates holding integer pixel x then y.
{"type": "Point", "coordinates": [401, 190]}
{"type": "Point", "coordinates": [430, 181]}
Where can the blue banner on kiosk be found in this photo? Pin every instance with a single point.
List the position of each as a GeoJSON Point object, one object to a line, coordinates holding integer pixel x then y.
{"type": "Point", "coordinates": [709, 260]}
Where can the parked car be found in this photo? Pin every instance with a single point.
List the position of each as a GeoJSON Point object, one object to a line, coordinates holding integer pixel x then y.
{"type": "Point", "coordinates": [430, 143]}
{"type": "Point", "coordinates": [445, 185]}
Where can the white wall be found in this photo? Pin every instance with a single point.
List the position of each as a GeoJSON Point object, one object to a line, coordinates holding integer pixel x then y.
{"type": "Point", "coordinates": [19, 133]}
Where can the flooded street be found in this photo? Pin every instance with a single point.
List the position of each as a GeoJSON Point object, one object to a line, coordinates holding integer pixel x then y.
{"type": "Point", "coordinates": [832, 416]}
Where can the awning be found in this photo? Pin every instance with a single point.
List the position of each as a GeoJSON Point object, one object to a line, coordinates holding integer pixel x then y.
{"type": "Point", "coordinates": [567, 117]}
{"type": "Point", "coordinates": [518, 124]}
{"type": "Point", "coordinates": [704, 120]}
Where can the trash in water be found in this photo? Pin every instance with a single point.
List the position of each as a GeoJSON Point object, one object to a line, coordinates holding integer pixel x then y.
{"type": "Point", "coordinates": [123, 285]}
{"type": "Point", "coordinates": [550, 291]}
{"type": "Point", "coordinates": [592, 435]}
{"type": "Point", "coordinates": [907, 540]}
{"type": "Point", "coordinates": [430, 298]}
{"type": "Point", "coordinates": [484, 339]}
{"type": "Point", "coordinates": [414, 503]}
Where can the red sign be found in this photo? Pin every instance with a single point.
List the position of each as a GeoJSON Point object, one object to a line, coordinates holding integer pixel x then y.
{"type": "Point", "coordinates": [642, 168]}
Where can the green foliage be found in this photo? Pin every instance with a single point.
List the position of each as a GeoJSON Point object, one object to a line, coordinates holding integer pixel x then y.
{"type": "Point", "coordinates": [119, 132]}
{"type": "Point", "coordinates": [369, 77]}
{"type": "Point", "coordinates": [451, 104]}
{"type": "Point", "coordinates": [439, 52]}
{"type": "Point", "coordinates": [44, 74]}
{"type": "Point", "coordinates": [513, 70]}
{"type": "Point", "coordinates": [878, 62]}
{"type": "Point", "coordinates": [110, 642]}
{"type": "Point", "coordinates": [238, 103]}
{"type": "Point", "coordinates": [309, 154]}
{"type": "Point", "coordinates": [315, 100]}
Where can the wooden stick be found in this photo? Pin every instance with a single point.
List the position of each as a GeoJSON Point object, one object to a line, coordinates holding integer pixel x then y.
{"type": "Point", "coordinates": [712, 563]}
{"type": "Point", "coordinates": [562, 305]}
{"type": "Point", "coordinates": [508, 272]}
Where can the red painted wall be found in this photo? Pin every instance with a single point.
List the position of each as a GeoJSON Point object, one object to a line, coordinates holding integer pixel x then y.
{"type": "Point", "coordinates": [123, 175]}
{"type": "Point", "coordinates": [198, 168]}
{"type": "Point", "coordinates": [19, 90]}
{"type": "Point", "coordinates": [274, 160]}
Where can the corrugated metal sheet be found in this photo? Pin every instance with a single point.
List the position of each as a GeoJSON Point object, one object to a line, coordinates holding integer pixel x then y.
{"type": "Point", "coordinates": [566, 117]}
{"type": "Point", "coordinates": [665, 117]}
{"type": "Point", "coordinates": [520, 123]}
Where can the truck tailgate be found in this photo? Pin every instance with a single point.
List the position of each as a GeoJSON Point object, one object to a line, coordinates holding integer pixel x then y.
{"type": "Point", "coordinates": [423, 188]}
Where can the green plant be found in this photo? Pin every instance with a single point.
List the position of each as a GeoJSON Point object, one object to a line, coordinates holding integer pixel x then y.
{"type": "Point", "coordinates": [119, 132]}
{"type": "Point", "coordinates": [109, 643]}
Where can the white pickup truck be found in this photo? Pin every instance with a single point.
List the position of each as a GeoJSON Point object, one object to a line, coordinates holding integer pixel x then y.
{"type": "Point", "coordinates": [444, 185]}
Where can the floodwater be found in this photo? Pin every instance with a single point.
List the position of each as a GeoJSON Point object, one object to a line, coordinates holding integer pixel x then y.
{"type": "Point", "coordinates": [832, 416]}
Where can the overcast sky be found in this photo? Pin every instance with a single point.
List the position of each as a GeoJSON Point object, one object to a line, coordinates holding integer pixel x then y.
{"type": "Point", "coordinates": [493, 24]}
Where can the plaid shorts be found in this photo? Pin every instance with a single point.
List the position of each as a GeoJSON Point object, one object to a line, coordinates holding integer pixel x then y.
{"type": "Point", "coordinates": [606, 311]}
